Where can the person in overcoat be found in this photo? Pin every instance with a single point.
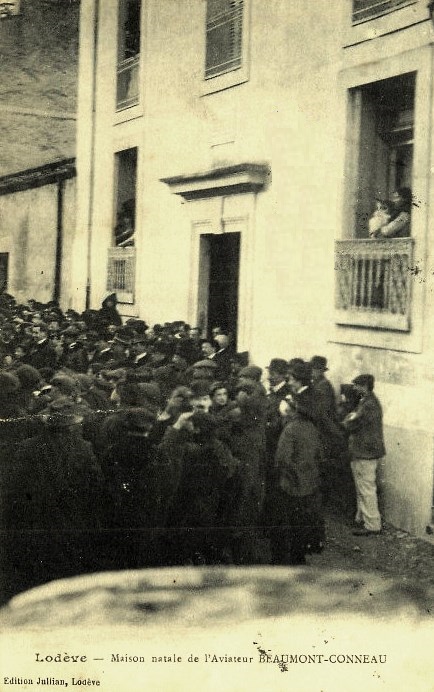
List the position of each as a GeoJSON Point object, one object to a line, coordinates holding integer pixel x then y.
{"type": "Point", "coordinates": [201, 465]}
{"type": "Point", "coordinates": [248, 445]}
{"type": "Point", "coordinates": [298, 527]}
{"type": "Point", "coordinates": [51, 500]}
{"type": "Point", "coordinates": [365, 428]}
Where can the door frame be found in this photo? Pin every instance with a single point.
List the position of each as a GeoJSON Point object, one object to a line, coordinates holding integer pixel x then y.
{"type": "Point", "coordinates": [215, 216]}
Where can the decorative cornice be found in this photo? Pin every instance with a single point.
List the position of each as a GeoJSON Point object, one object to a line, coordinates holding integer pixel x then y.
{"type": "Point", "coordinates": [243, 177]}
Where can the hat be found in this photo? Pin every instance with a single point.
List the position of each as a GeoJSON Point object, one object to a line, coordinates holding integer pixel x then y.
{"type": "Point", "coordinates": [124, 335]}
{"type": "Point", "coordinates": [279, 365]}
{"type": "Point", "coordinates": [200, 388]}
{"type": "Point", "coordinates": [28, 376]}
{"type": "Point", "coordinates": [61, 413]}
{"type": "Point", "coordinates": [130, 393]}
{"type": "Point", "coordinates": [365, 380]}
{"type": "Point", "coordinates": [151, 394]}
{"type": "Point", "coordinates": [301, 371]}
{"type": "Point", "coordinates": [294, 361]}
{"type": "Point", "coordinates": [71, 331]}
{"type": "Point", "coordinates": [251, 372]}
{"type": "Point", "coordinates": [241, 359]}
{"type": "Point", "coordinates": [84, 381]}
{"type": "Point", "coordinates": [138, 419]}
{"type": "Point", "coordinates": [65, 383]}
{"type": "Point", "coordinates": [8, 383]}
{"type": "Point", "coordinates": [319, 363]}
{"type": "Point", "coordinates": [139, 326]}
{"type": "Point", "coordinates": [206, 363]}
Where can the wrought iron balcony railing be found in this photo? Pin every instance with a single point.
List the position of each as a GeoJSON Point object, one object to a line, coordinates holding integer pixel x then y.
{"type": "Point", "coordinates": [373, 282]}
{"type": "Point", "coordinates": [128, 83]}
{"type": "Point", "coordinates": [364, 10]}
{"type": "Point", "coordinates": [121, 268]}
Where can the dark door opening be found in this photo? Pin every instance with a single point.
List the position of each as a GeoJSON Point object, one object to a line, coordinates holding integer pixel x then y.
{"type": "Point", "coordinates": [223, 283]}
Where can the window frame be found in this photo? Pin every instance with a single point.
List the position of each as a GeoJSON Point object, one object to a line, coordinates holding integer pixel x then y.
{"type": "Point", "coordinates": [355, 77]}
{"type": "Point", "coordinates": [123, 106]}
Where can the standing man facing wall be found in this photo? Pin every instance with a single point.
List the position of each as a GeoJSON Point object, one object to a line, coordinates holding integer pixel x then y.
{"type": "Point", "coordinates": [365, 426]}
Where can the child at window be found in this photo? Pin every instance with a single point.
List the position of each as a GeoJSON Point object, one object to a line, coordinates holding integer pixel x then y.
{"type": "Point", "coordinates": [381, 217]}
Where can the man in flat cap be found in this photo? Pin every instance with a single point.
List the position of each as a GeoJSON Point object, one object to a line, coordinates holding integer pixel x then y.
{"type": "Point", "coordinates": [365, 426]}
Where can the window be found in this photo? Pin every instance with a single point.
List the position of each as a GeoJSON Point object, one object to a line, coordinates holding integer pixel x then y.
{"type": "Point", "coordinates": [122, 256]}
{"type": "Point", "coordinates": [224, 34]}
{"type": "Point", "coordinates": [384, 111]}
{"type": "Point", "coordinates": [363, 10]}
{"type": "Point", "coordinates": [373, 275]}
{"type": "Point", "coordinates": [125, 185]}
{"type": "Point", "coordinates": [128, 54]}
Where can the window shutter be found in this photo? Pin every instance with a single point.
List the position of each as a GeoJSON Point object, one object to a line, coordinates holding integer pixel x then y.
{"type": "Point", "coordinates": [368, 9]}
{"type": "Point", "coordinates": [224, 27]}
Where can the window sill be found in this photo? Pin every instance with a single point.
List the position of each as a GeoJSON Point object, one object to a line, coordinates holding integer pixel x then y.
{"type": "Point", "coordinates": [225, 81]}
{"type": "Point", "coordinates": [124, 115]}
{"type": "Point", "coordinates": [396, 20]}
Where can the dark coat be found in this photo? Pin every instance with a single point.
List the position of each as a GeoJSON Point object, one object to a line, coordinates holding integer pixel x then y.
{"type": "Point", "coordinates": [42, 355]}
{"type": "Point", "coordinates": [274, 419]}
{"type": "Point", "coordinates": [51, 499]}
{"type": "Point", "coordinates": [248, 445]}
{"type": "Point", "coordinates": [365, 426]}
{"type": "Point", "coordinates": [223, 360]}
{"type": "Point", "coordinates": [325, 397]}
{"type": "Point", "coordinates": [298, 456]}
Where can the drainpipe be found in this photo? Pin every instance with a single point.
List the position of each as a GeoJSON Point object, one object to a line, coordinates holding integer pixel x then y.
{"type": "Point", "coordinates": [92, 154]}
{"type": "Point", "coordinates": [59, 241]}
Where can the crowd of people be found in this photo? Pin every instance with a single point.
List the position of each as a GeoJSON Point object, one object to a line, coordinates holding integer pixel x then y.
{"type": "Point", "coordinates": [125, 446]}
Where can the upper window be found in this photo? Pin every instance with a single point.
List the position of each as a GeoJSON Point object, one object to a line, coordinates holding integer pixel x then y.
{"type": "Point", "coordinates": [363, 10]}
{"type": "Point", "coordinates": [128, 54]}
{"type": "Point", "coordinates": [224, 36]}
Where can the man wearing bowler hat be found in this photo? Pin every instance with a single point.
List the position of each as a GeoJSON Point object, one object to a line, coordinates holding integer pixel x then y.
{"type": "Point", "coordinates": [322, 387]}
{"type": "Point", "coordinates": [279, 389]}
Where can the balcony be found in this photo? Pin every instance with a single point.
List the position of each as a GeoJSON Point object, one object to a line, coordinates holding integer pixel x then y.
{"type": "Point", "coordinates": [373, 283]}
{"type": "Point", "coordinates": [128, 83]}
{"type": "Point", "coordinates": [121, 267]}
{"type": "Point", "coordinates": [363, 10]}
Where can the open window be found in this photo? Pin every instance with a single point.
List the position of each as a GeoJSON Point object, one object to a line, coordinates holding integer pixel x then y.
{"type": "Point", "coordinates": [128, 54]}
{"type": "Point", "coordinates": [373, 278]}
{"type": "Point", "coordinates": [121, 259]}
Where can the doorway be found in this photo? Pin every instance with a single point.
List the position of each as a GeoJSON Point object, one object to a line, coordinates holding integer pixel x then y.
{"type": "Point", "coordinates": [224, 266]}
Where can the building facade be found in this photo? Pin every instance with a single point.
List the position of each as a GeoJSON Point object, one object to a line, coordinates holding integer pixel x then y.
{"type": "Point", "coordinates": [229, 156]}
{"type": "Point", "coordinates": [39, 58]}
